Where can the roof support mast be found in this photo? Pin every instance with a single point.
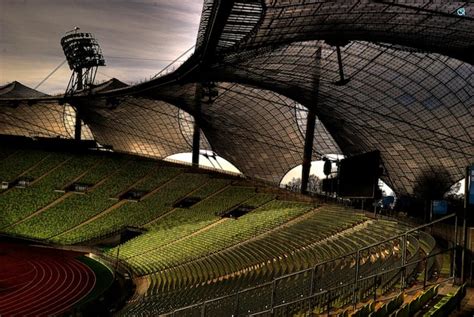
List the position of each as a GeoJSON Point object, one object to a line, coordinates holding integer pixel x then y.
{"type": "Point", "coordinates": [197, 128]}
{"type": "Point", "coordinates": [221, 12]}
{"type": "Point", "coordinates": [310, 126]}
{"type": "Point", "coordinates": [196, 142]}
{"type": "Point", "coordinates": [308, 150]}
{"type": "Point", "coordinates": [78, 123]}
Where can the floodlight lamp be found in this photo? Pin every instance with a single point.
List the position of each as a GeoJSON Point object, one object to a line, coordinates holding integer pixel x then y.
{"type": "Point", "coordinates": [82, 51]}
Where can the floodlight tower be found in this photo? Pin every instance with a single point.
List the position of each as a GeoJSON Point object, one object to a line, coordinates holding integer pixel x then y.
{"type": "Point", "coordinates": [84, 56]}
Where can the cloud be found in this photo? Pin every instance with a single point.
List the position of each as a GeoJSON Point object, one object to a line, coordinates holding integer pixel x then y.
{"type": "Point", "coordinates": [140, 37]}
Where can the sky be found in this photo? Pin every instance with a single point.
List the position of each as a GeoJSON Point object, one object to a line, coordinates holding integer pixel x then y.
{"type": "Point", "coordinates": [138, 37]}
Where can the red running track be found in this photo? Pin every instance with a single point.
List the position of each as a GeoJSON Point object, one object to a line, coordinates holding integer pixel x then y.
{"type": "Point", "coordinates": [41, 282]}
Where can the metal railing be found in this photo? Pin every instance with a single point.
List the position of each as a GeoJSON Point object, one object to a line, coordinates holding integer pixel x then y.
{"type": "Point", "coordinates": [305, 289]}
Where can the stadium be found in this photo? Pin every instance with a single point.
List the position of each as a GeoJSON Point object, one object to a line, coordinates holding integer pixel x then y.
{"type": "Point", "coordinates": [98, 219]}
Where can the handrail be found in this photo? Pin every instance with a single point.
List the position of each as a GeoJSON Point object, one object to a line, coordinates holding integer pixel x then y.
{"type": "Point", "coordinates": [325, 292]}
{"type": "Point", "coordinates": [407, 232]}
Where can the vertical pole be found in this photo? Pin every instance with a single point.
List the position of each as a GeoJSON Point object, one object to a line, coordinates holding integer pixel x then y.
{"type": "Point", "coordinates": [463, 250]}
{"type": "Point", "coordinates": [464, 226]}
{"type": "Point", "coordinates": [310, 125]}
{"type": "Point", "coordinates": [356, 278]}
{"type": "Point", "coordinates": [79, 79]}
{"type": "Point", "coordinates": [272, 299]}
{"type": "Point", "coordinates": [308, 150]}
{"type": "Point", "coordinates": [329, 301]}
{"type": "Point", "coordinates": [466, 190]}
{"type": "Point", "coordinates": [197, 129]}
{"type": "Point", "coordinates": [453, 265]}
{"type": "Point", "coordinates": [313, 273]}
{"type": "Point", "coordinates": [78, 125]}
{"type": "Point", "coordinates": [404, 255]}
{"type": "Point", "coordinates": [203, 309]}
{"type": "Point", "coordinates": [196, 143]}
{"type": "Point", "coordinates": [339, 61]}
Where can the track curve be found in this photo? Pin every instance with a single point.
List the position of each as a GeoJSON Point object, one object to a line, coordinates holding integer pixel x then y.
{"type": "Point", "coordinates": [41, 282]}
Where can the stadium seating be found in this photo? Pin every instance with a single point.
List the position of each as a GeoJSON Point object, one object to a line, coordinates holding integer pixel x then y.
{"type": "Point", "coordinates": [74, 209]}
{"type": "Point", "coordinates": [137, 214]}
{"type": "Point", "coordinates": [194, 254]}
{"type": "Point", "coordinates": [441, 305]}
{"type": "Point", "coordinates": [323, 234]}
{"type": "Point", "coordinates": [51, 173]}
{"type": "Point", "coordinates": [226, 233]}
{"type": "Point", "coordinates": [447, 303]}
{"type": "Point", "coordinates": [18, 162]}
{"type": "Point", "coordinates": [183, 222]}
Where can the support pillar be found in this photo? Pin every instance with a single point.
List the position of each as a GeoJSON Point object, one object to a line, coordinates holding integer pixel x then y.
{"type": "Point", "coordinates": [196, 143]}
{"type": "Point", "coordinates": [464, 224]}
{"type": "Point", "coordinates": [310, 125]}
{"type": "Point", "coordinates": [339, 62]}
{"type": "Point", "coordinates": [77, 126]}
{"type": "Point", "coordinates": [308, 150]}
{"type": "Point", "coordinates": [197, 129]}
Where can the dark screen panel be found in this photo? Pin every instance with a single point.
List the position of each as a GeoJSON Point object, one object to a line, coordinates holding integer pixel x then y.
{"type": "Point", "coordinates": [330, 185]}
{"type": "Point", "coordinates": [439, 207]}
{"type": "Point", "coordinates": [359, 175]}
